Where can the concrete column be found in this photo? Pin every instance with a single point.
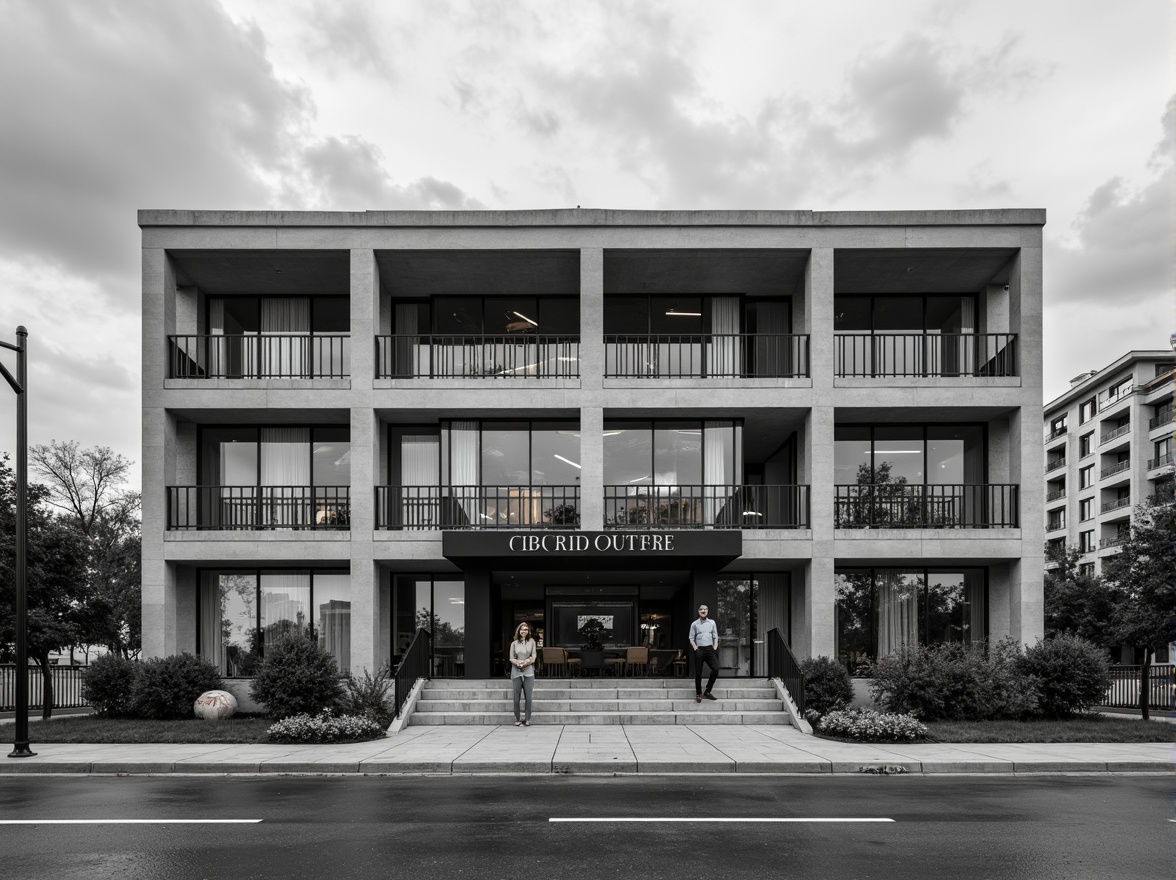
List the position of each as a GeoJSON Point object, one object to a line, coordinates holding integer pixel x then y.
{"type": "Point", "coordinates": [819, 598]}
{"type": "Point", "coordinates": [999, 602]}
{"type": "Point", "coordinates": [479, 640]}
{"type": "Point", "coordinates": [591, 468]}
{"type": "Point", "coordinates": [591, 318]}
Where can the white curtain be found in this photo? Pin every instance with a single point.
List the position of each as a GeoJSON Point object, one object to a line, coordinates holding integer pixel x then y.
{"type": "Point", "coordinates": [775, 354]}
{"type": "Point", "coordinates": [724, 354]}
{"type": "Point", "coordinates": [773, 614]}
{"type": "Point", "coordinates": [285, 328]}
{"type": "Point", "coordinates": [463, 468]}
{"type": "Point", "coordinates": [419, 468]}
{"type": "Point", "coordinates": [898, 611]}
{"type": "Point", "coordinates": [409, 357]}
{"type": "Point", "coordinates": [285, 466]}
{"type": "Point", "coordinates": [718, 470]}
{"type": "Point", "coordinates": [210, 620]}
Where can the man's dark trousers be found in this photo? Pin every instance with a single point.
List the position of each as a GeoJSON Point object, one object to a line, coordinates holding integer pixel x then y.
{"type": "Point", "coordinates": [705, 654]}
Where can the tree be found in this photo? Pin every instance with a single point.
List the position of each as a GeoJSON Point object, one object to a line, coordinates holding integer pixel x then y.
{"type": "Point", "coordinates": [1143, 576]}
{"type": "Point", "coordinates": [1077, 603]}
{"type": "Point", "coordinates": [83, 483]}
{"type": "Point", "coordinates": [56, 578]}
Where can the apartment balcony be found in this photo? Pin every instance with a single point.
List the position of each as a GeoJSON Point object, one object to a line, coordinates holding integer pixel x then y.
{"type": "Point", "coordinates": [900, 506]}
{"type": "Point", "coordinates": [1057, 434]}
{"type": "Point", "coordinates": [258, 507]}
{"type": "Point", "coordinates": [1163, 417]}
{"type": "Point", "coordinates": [1055, 464]}
{"type": "Point", "coordinates": [1055, 525]}
{"type": "Point", "coordinates": [925, 355]}
{"type": "Point", "coordinates": [1108, 403]}
{"type": "Point", "coordinates": [706, 507]}
{"type": "Point", "coordinates": [1120, 436]}
{"type": "Point", "coordinates": [265, 356]}
{"type": "Point", "coordinates": [1111, 543]}
{"type": "Point", "coordinates": [510, 356]}
{"type": "Point", "coordinates": [1116, 504]}
{"type": "Point", "coordinates": [1117, 472]}
{"type": "Point", "coordinates": [433, 508]}
{"type": "Point", "coordinates": [707, 356]}
{"type": "Point", "coordinates": [1055, 496]}
{"type": "Point", "coordinates": [1162, 461]}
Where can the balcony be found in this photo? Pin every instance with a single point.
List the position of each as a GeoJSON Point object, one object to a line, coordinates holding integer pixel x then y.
{"type": "Point", "coordinates": [1162, 461]}
{"type": "Point", "coordinates": [1108, 402]}
{"type": "Point", "coordinates": [430, 508]}
{"type": "Point", "coordinates": [1113, 434]}
{"type": "Point", "coordinates": [1162, 417]}
{"type": "Point", "coordinates": [924, 355]}
{"type": "Point", "coordinates": [1117, 468]}
{"type": "Point", "coordinates": [512, 356]}
{"type": "Point", "coordinates": [1117, 504]}
{"type": "Point", "coordinates": [1055, 496]}
{"type": "Point", "coordinates": [1056, 433]}
{"type": "Point", "coordinates": [1108, 543]}
{"type": "Point", "coordinates": [706, 507]}
{"type": "Point", "coordinates": [898, 506]}
{"type": "Point", "coordinates": [258, 507]}
{"type": "Point", "coordinates": [265, 356]}
{"type": "Point", "coordinates": [1055, 464]}
{"type": "Point", "coordinates": [1055, 525]}
{"type": "Point", "coordinates": [707, 356]}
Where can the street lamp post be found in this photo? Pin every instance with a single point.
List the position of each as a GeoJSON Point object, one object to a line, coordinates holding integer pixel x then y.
{"type": "Point", "coordinates": [20, 747]}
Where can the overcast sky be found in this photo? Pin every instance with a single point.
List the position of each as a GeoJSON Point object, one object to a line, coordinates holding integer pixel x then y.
{"type": "Point", "coordinates": [109, 106]}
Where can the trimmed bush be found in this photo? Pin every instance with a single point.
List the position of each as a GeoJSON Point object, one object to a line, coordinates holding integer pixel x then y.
{"type": "Point", "coordinates": [367, 697]}
{"type": "Point", "coordinates": [865, 725]}
{"type": "Point", "coordinates": [324, 728]}
{"type": "Point", "coordinates": [296, 677]}
{"type": "Point", "coordinates": [166, 687]}
{"type": "Point", "coordinates": [1071, 674]}
{"type": "Point", "coordinates": [827, 685]}
{"type": "Point", "coordinates": [108, 683]}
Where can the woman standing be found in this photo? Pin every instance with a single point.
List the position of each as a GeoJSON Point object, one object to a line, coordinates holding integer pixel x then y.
{"type": "Point", "coordinates": [523, 655]}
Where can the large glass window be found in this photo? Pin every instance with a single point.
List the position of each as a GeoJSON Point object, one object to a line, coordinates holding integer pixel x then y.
{"type": "Point", "coordinates": [906, 335]}
{"type": "Point", "coordinates": [749, 607]}
{"type": "Point", "coordinates": [273, 336]}
{"type": "Point", "coordinates": [436, 605]}
{"type": "Point", "coordinates": [880, 610]}
{"type": "Point", "coordinates": [489, 316]}
{"type": "Point", "coordinates": [243, 611]}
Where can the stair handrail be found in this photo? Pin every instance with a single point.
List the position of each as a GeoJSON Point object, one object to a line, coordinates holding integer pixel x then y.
{"type": "Point", "coordinates": [414, 665]}
{"type": "Point", "coordinates": [782, 664]}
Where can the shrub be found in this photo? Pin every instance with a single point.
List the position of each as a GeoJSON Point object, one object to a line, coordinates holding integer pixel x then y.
{"type": "Point", "coordinates": [166, 687]}
{"type": "Point", "coordinates": [827, 685]}
{"type": "Point", "coordinates": [108, 683]}
{"type": "Point", "coordinates": [1072, 674]}
{"type": "Point", "coordinates": [296, 676]}
{"type": "Point", "coordinates": [323, 728]}
{"type": "Point", "coordinates": [368, 696]}
{"type": "Point", "coordinates": [865, 725]}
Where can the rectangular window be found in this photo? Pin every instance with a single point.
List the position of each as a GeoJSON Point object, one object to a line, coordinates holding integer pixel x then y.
{"type": "Point", "coordinates": [1087, 410]}
{"type": "Point", "coordinates": [1085, 444]}
{"type": "Point", "coordinates": [437, 605]}
{"type": "Point", "coordinates": [1056, 520]}
{"type": "Point", "coordinates": [1085, 509]}
{"type": "Point", "coordinates": [1086, 477]}
{"type": "Point", "coordinates": [1163, 449]}
{"type": "Point", "coordinates": [1086, 541]}
{"type": "Point", "coordinates": [1086, 569]}
{"type": "Point", "coordinates": [1058, 425]}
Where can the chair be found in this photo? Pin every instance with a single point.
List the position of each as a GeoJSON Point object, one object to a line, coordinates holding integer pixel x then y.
{"type": "Point", "coordinates": [555, 661]}
{"type": "Point", "coordinates": [636, 657]}
{"type": "Point", "coordinates": [678, 664]}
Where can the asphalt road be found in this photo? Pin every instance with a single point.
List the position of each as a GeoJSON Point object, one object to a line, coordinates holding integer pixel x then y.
{"type": "Point", "coordinates": [422, 828]}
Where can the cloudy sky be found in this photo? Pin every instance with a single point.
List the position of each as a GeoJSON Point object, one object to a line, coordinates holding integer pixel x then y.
{"type": "Point", "coordinates": [109, 106]}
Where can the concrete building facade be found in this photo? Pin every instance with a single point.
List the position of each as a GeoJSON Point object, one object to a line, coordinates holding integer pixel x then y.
{"type": "Point", "coordinates": [822, 425]}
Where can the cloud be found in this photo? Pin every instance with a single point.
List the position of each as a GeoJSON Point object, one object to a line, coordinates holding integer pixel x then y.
{"type": "Point", "coordinates": [344, 34]}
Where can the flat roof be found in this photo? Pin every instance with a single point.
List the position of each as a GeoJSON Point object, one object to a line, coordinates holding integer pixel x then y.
{"type": "Point", "coordinates": [592, 217]}
{"type": "Point", "coordinates": [1064, 399]}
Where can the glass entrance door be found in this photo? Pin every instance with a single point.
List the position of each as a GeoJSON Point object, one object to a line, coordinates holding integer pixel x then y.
{"type": "Point", "coordinates": [437, 605]}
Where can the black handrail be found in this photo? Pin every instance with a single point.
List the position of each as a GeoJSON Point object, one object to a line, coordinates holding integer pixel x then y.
{"type": "Point", "coordinates": [510, 356]}
{"type": "Point", "coordinates": [871, 355]}
{"type": "Point", "coordinates": [714, 355]}
{"type": "Point", "coordinates": [415, 664]}
{"type": "Point", "coordinates": [926, 506]}
{"type": "Point", "coordinates": [265, 356]}
{"type": "Point", "coordinates": [706, 507]}
{"type": "Point", "coordinates": [782, 664]}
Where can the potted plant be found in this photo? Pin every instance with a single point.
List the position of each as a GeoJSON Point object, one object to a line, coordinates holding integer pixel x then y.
{"type": "Point", "coordinates": [592, 651]}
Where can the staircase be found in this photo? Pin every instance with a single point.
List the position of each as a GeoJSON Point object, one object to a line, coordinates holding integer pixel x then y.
{"type": "Point", "coordinates": [600, 701]}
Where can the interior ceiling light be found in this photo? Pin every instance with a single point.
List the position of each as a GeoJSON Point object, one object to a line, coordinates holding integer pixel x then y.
{"type": "Point", "coordinates": [676, 313]}
{"type": "Point", "coordinates": [639, 479]}
{"type": "Point", "coordinates": [751, 513]}
{"type": "Point", "coordinates": [565, 460]}
{"type": "Point", "coordinates": [525, 318]}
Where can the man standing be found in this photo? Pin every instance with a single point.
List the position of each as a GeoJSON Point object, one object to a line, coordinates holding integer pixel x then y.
{"type": "Point", "coordinates": [704, 639]}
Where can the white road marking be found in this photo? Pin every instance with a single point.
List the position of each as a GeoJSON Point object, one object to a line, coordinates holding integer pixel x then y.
{"type": "Point", "coordinates": [703, 819]}
{"type": "Point", "coordinates": [129, 821]}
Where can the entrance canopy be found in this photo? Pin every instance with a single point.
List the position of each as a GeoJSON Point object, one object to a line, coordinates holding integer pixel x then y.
{"type": "Point", "coordinates": [596, 551]}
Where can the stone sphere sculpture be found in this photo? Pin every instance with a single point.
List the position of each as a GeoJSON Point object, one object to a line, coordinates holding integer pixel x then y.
{"type": "Point", "coordinates": [215, 705]}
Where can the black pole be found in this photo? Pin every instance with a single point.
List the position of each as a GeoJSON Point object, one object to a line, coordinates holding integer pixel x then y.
{"type": "Point", "coordinates": [20, 748]}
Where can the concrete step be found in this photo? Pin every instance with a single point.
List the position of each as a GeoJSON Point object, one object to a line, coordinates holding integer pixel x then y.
{"type": "Point", "coordinates": [600, 682]}
{"type": "Point", "coordinates": [553, 693]}
{"type": "Point", "coordinates": [603, 718]}
{"type": "Point", "coordinates": [481, 707]}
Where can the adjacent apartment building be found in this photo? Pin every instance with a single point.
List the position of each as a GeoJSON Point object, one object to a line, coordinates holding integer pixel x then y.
{"type": "Point", "coordinates": [825, 426]}
{"type": "Point", "coordinates": [1108, 449]}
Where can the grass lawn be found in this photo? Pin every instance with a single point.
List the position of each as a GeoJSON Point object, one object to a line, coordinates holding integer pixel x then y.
{"type": "Point", "coordinates": [1080, 729]}
{"type": "Point", "coordinates": [90, 729]}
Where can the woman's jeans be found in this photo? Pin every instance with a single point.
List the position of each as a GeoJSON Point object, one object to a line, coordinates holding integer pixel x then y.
{"type": "Point", "coordinates": [524, 683]}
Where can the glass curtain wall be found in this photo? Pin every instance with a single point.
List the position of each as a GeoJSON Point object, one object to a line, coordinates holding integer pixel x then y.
{"type": "Point", "coordinates": [881, 610]}
{"type": "Point", "coordinates": [750, 607]}
{"type": "Point", "coordinates": [272, 336]}
{"type": "Point", "coordinates": [437, 605]}
{"type": "Point", "coordinates": [242, 611]}
{"type": "Point", "coordinates": [906, 335]}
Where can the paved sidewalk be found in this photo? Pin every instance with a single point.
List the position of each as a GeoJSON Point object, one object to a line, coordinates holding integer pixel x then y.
{"type": "Point", "coordinates": [639, 749]}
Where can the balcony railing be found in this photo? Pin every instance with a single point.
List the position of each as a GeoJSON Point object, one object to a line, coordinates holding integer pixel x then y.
{"type": "Point", "coordinates": [258, 507]}
{"type": "Point", "coordinates": [1055, 525]}
{"type": "Point", "coordinates": [477, 507]}
{"type": "Point", "coordinates": [1118, 503]}
{"type": "Point", "coordinates": [1161, 418]}
{"type": "Point", "coordinates": [901, 506]}
{"type": "Point", "coordinates": [1116, 541]}
{"type": "Point", "coordinates": [1056, 433]}
{"type": "Point", "coordinates": [719, 355]}
{"type": "Point", "coordinates": [266, 356]}
{"type": "Point", "coordinates": [1114, 434]}
{"type": "Point", "coordinates": [1116, 468]}
{"type": "Point", "coordinates": [706, 507]}
{"type": "Point", "coordinates": [513, 356]}
{"type": "Point", "coordinates": [1153, 463]}
{"type": "Point", "coordinates": [1108, 402]}
{"type": "Point", "coordinates": [1055, 464]}
{"type": "Point", "coordinates": [873, 355]}
{"type": "Point", "coordinates": [1054, 496]}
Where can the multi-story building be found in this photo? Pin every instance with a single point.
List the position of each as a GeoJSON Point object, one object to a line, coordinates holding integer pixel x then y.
{"type": "Point", "coordinates": [1108, 449]}
{"type": "Point", "coordinates": [819, 424]}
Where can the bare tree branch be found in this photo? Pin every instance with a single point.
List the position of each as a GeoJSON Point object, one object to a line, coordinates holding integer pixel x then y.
{"type": "Point", "coordinates": [82, 482]}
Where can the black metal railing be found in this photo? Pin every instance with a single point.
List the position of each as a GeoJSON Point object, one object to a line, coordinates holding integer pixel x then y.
{"type": "Point", "coordinates": [782, 664]}
{"type": "Point", "coordinates": [706, 507]}
{"type": "Point", "coordinates": [1056, 433]}
{"type": "Point", "coordinates": [1153, 463]}
{"type": "Point", "coordinates": [258, 507]}
{"type": "Point", "coordinates": [1162, 417]}
{"type": "Point", "coordinates": [1124, 689]}
{"type": "Point", "coordinates": [707, 356]}
{"type": "Point", "coordinates": [1055, 464]}
{"type": "Point", "coordinates": [1116, 541]}
{"type": "Point", "coordinates": [1108, 506]}
{"type": "Point", "coordinates": [1117, 398]}
{"type": "Point", "coordinates": [66, 682]}
{"type": "Point", "coordinates": [1114, 434]}
{"type": "Point", "coordinates": [264, 356]}
{"type": "Point", "coordinates": [873, 355]}
{"type": "Point", "coordinates": [1054, 496]}
{"type": "Point", "coordinates": [414, 665]}
{"type": "Point", "coordinates": [902, 506]}
{"type": "Point", "coordinates": [1053, 525]}
{"type": "Point", "coordinates": [1116, 468]}
{"type": "Point", "coordinates": [477, 507]}
{"type": "Point", "coordinates": [512, 356]}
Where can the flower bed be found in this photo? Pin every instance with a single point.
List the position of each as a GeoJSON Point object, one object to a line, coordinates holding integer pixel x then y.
{"type": "Point", "coordinates": [324, 728]}
{"type": "Point", "coordinates": [864, 725]}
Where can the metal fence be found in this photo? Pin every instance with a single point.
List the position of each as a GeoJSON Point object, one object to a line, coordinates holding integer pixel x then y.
{"type": "Point", "coordinates": [258, 507]}
{"type": "Point", "coordinates": [1124, 689]}
{"type": "Point", "coordinates": [870, 355]}
{"type": "Point", "coordinates": [265, 356]}
{"type": "Point", "coordinates": [414, 665]}
{"type": "Point", "coordinates": [902, 506]}
{"type": "Point", "coordinates": [66, 680]}
{"type": "Point", "coordinates": [716, 355]}
{"type": "Point", "coordinates": [516, 356]}
{"type": "Point", "coordinates": [782, 664]}
{"type": "Point", "coordinates": [706, 507]}
{"type": "Point", "coordinates": [477, 507]}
